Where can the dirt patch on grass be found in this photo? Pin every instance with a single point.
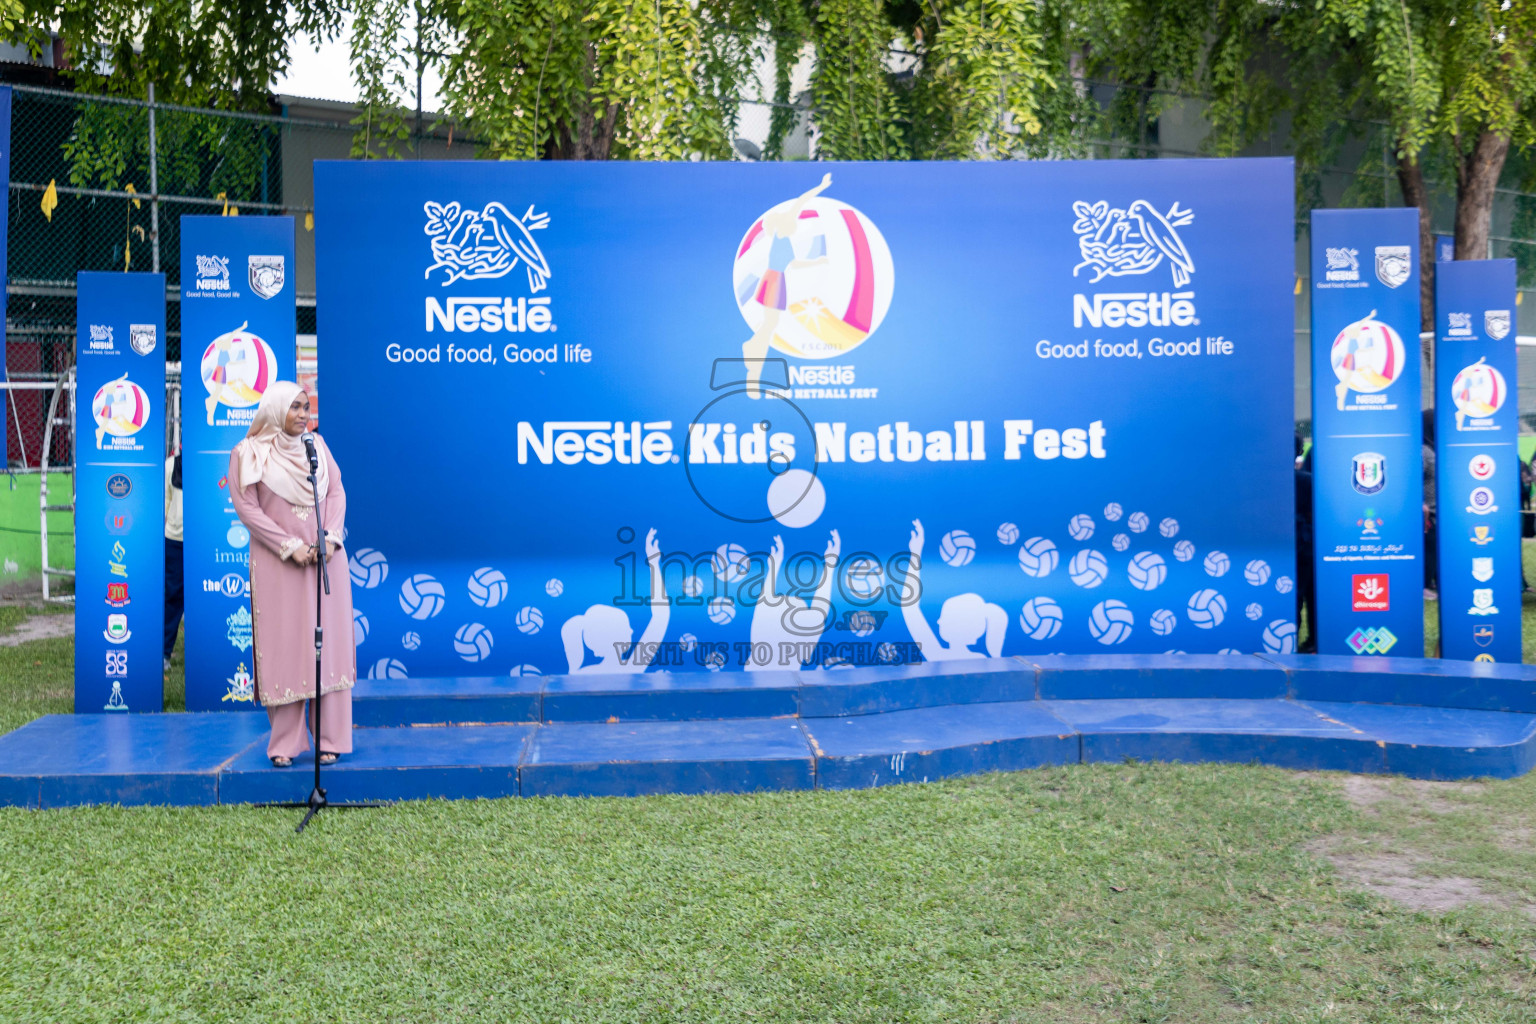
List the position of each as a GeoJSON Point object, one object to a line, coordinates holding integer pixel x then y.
{"type": "Point", "coordinates": [1369, 794]}
{"type": "Point", "coordinates": [1405, 878]}
{"type": "Point", "coordinates": [39, 627]}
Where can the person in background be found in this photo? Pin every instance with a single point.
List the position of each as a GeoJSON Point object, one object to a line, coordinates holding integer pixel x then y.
{"type": "Point", "coordinates": [1527, 521]}
{"type": "Point", "coordinates": [1305, 580]}
{"type": "Point", "coordinates": [1431, 534]}
{"type": "Point", "coordinates": [174, 596]}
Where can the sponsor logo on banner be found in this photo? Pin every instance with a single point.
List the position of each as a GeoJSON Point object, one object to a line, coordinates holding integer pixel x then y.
{"type": "Point", "coordinates": [236, 369]}
{"type": "Point", "coordinates": [238, 536]}
{"type": "Point", "coordinates": [119, 523]}
{"type": "Point", "coordinates": [1369, 472]}
{"type": "Point", "coordinates": [117, 595]}
{"type": "Point", "coordinates": [100, 339]}
{"type": "Point", "coordinates": [212, 273]}
{"type": "Point", "coordinates": [115, 701]}
{"type": "Point", "coordinates": [1482, 535]}
{"type": "Point", "coordinates": [120, 408]}
{"type": "Point", "coordinates": [1496, 323]}
{"type": "Point", "coordinates": [117, 628]}
{"type": "Point", "coordinates": [241, 686]}
{"type": "Point", "coordinates": [266, 275]}
{"type": "Point", "coordinates": [1482, 603]}
{"type": "Point", "coordinates": [1370, 525]}
{"type": "Point", "coordinates": [485, 244]}
{"type": "Point", "coordinates": [1394, 264]}
{"type": "Point", "coordinates": [1128, 242]}
{"type": "Point", "coordinates": [239, 632]}
{"type": "Point", "coordinates": [1371, 592]}
{"type": "Point", "coordinates": [1482, 635]}
{"type": "Point", "coordinates": [142, 338]}
{"type": "Point", "coordinates": [1343, 264]}
{"type": "Point", "coordinates": [1482, 569]}
{"type": "Point", "coordinates": [1482, 501]}
{"type": "Point", "coordinates": [118, 485]}
{"type": "Point", "coordinates": [1460, 325]}
{"type": "Point", "coordinates": [115, 564]}
{"type": "Point", "coordinates": [117, 663]}
{"type": "Point", "coordinates": [1479, 391]}
{"type": "Point", "coordinates": [1379, 640]}
{"type": "Point", "coordinates": [230, 585]}
{"type": "Point", "coordinates": [1481, 467]}
{"type": "Point", "coordinates": [1484, 658]}
{"type": "Point", "coordinates": [1368, 357]}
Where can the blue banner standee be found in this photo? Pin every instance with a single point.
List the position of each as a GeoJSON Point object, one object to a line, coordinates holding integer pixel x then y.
{"type": "Point", "coordinates": [1367, 432]}
{"type": "Point", "coordinates": [1477, 465]}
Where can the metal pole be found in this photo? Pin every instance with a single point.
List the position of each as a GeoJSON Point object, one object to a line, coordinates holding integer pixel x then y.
{"type": "Point", "coordinates": [154, 188]}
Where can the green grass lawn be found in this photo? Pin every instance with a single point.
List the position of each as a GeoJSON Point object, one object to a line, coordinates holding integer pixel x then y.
{"type": "Point", "coordinates": [1100, 893]}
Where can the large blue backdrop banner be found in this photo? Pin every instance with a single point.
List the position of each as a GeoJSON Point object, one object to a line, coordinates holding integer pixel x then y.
{"type": "Point", "coordinates": [119, 491]}
{"type": "Point", "coordinates": [1367, 432]}
{"type": "Point", "coordinates": [1477, 464]}
{"type": "Point", "coordinates": [592, 417]}
{"type": "Point", "coordinates": [237, 337]}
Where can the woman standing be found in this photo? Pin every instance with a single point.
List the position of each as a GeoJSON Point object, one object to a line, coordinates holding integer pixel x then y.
{"type": "Point", "coordinates": [270, 488]}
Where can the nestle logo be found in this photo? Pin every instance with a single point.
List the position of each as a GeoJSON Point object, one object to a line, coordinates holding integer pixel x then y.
{"type": "Point", "coordinates": [468, 315]}
{"type": "Point", "coordinates": [1134, 309]}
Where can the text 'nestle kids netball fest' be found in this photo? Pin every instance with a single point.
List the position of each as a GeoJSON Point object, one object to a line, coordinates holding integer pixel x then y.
{"type": "Point", "coordinates": [1017, 409]}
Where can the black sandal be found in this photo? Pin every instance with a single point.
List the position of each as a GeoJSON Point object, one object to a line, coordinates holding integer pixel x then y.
{"type": "Point", "coordinates": [282, 762]}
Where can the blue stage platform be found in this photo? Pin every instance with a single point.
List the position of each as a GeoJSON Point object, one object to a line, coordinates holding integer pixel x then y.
{"type": "Point", "coordinates": [742, 732]}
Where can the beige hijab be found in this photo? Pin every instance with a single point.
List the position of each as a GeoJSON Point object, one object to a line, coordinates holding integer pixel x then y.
{"type": "Point", "coordinates": [275, 457]}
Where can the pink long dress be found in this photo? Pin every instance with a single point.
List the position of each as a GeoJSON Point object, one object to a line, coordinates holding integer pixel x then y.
{"type": "Point", "coordinates": [283, 614]}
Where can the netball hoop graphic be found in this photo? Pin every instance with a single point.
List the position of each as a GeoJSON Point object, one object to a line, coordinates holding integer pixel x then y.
{"type": "Point", "coordinates": [813, 279]}
{"type": "Point", "coordinates": [1367, 357]}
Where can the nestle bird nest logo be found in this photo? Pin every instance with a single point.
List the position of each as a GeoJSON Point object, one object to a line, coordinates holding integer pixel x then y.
{"type": "Point", "coordinates": [1135, 240]}
{"type": "Point", "coordinates": [484, 244]}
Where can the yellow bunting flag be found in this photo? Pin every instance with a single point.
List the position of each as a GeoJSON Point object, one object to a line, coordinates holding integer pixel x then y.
{"type": "Point", "coordinates": [224, 196]}
{"type": "Point", "coordinates": [134, 192]}
{"type": "Point", "coordinates": [127, 254]}
{"type": "Point", "coordinates": [309, 221]}
{"type": "Point", "coordinates": [234, 211]}
{"type": "Point", "coordinates": [50, 200]}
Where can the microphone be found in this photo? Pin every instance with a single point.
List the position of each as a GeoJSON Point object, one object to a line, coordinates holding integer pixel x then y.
{"type": "Point", "coordinates": [309, 449]}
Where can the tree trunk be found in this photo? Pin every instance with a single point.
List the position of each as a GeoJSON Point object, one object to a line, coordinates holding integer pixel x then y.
{"type": "Point", "coordinates": [1410, 175]}
{"type": "Point", "coordinates": [1477, 175]}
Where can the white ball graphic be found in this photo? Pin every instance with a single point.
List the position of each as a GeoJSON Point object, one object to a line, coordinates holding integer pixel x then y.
{"type": "Point", "coordinates": [529, 619]}
{"type": "Point", "coordinates": [714, 661]}
{"type": "Point", "coordinates": [1088, 568]}
{"type": "Point", "coordinates": [1113, 511]}
{"type": "Point", "coordinates": [1254, 611]}
{"type": "Point", "coordinates": [524, 670]}
{"type": "Point", "coordinates": [368, 568]}
{"type": "Point", "coordinates": [359, 628]}
{"type": "Point", "coordinates": [1256, 572]}
{"type": "Point", "coordinates": [687, 642]}
{"type": "Point", "coordinates": [861, 623]}
{"type": "Point", "coordinates": [796, 498]}
{"type": "Point", "coordinates": [1280, 637]}
{"type": "Point", "coordinates": [487, 587]}
{"type": "Point", "coordinates": [1147, 570]}
{"type": "Point", "coordinates": [421, 596]}
{"type": "Point", "coordinates": [1081, 526]}
{"type": "Point", "coordinates": [1007, 533]}
{"type": "Point", "coordinates": [1163, 621]}
{"type": "Point", "coordinates": [1110, 622]}
{"type": "Point", "coordinates": [1284, 584]}
{"type": "Point", "coordinates": [1230, 650]}
{"type": "Point", "coordinates": [1183, 551]}
{"type": "Point", "coordinates": [473, 642]}
{"type": "Point", "coordinates": [1038, 557]}
{"type": "Point", "coordinates": [1168, 527]}
{"type": "Point", "coordinates": [887, 653]}
{"type": "Point", "coordinates": [721, 611]}
{"type": "Point", "coordinates": [863, 578]}
{"type": "Point", "coordinates": [1041, 618]}
{"type": "Point", "coordinates": [1121, 541]}
{"type": "Point", "coordinates": [1138, 522]}
{"type": "Point", "coordinates": [693, 586]}
{"type": "Point", "coordinates": [1217, 563]}
{"type": "Point", "coordinates": [1206, 609]}
{"type": "Point", "coordinates": [411, 641]}
{"type": "Point", "coordinates": [730, 562]}
{"type": "Point", "coordinates": [553, 587]}
{"type": "Point", "coordinates": [957, 548]}
{"type": "Point", "coordinates": [386, 668]}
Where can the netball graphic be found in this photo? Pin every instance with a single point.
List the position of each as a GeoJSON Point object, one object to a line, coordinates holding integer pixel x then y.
{"type": "Point", "coordinates": [813, 278]}
{"type": "Point", "coordinates": [1367, 357]}
{"type": "Point", "coordinates": [1478, 391]}
{"type": "Point", "coordinates": [236, 369]}
{"type": "Point", "coordinates": [120, 408]}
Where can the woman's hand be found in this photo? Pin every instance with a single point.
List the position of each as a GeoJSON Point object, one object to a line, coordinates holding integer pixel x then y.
{"type": "Point", "coordinates": [303, 556]}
